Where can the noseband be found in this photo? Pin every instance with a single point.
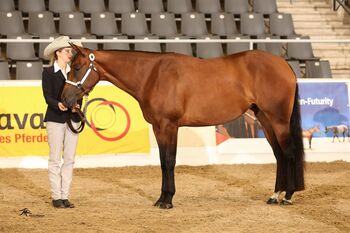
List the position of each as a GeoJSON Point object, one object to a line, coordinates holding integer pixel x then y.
{"type": "Point", "coordinates": [79, 85]}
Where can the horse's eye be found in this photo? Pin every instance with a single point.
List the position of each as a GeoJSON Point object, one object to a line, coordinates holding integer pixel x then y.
{"type": "Point", "coordinates": [77, 68]}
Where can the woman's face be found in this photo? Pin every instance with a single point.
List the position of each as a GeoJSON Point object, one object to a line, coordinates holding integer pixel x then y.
{"type": "Point", "coordinates": [65, 54]}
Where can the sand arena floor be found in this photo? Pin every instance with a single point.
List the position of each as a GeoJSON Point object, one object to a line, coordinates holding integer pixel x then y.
{"type": "Point", "coordinates": [216, 198]}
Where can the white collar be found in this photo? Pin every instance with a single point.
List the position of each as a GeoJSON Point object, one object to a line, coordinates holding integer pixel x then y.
{"type": "Point", "coordinates": [58, 68]}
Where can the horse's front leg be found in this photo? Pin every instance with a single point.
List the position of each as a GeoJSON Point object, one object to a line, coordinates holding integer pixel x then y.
{"type": "Point", "coordinates": [166, 136]}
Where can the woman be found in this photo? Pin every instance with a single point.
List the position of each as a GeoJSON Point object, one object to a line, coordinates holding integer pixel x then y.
{"type": "Point", "coordinates": [62, 141]}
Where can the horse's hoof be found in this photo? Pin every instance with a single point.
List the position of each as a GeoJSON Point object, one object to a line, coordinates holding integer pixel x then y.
{"type": "Point", "coordinates": [286, 202]}
{"type": "Point", "coordinates": [272, 201]}
{"type": "Point", "coordinates": [163, 205]}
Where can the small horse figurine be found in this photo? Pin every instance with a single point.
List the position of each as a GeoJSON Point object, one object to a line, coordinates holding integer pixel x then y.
{"type": "Point", "coordinates": [176, 90]}
{"type": "Point", "coordinates": [338, 129]}
{"type": "Point", "coordinates": [308, 133]}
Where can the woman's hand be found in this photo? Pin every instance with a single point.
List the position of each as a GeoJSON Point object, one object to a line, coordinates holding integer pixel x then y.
{"type": "Point", "coordinates": [62, 107]}
{"type": "Point", "coordinates": [75, 108]}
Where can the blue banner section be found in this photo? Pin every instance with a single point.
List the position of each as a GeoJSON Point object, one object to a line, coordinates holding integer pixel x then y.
{"type": "Point", "coordinates": [324, 104]}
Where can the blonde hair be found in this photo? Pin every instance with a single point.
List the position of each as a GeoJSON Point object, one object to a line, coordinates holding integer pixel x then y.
{"type": "Point", "coordinates": [53, 56]}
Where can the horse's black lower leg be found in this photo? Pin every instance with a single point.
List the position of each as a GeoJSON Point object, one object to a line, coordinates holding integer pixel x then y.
{"type": "Point", "coordinates": [167, 160]}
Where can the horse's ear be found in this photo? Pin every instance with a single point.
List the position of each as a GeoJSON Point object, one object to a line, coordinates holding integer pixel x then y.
{"type": "Point", "coordinates": [77, 48]}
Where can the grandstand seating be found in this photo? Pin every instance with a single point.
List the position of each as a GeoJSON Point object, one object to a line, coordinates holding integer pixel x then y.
{"type": "Point", "coordinates": [27, 6]}
{"type": "Point", "coordinates": [61, 6]}
{"type": "Point", "coordinates": [238, 47]}
{"type": "Point", "coordinates": [148, 47]}
{"type": "Point", "coordinates": [163, 24]}
{"type": "Point", "coordinates": [125, 19]}
{"type": "Point", "coordinates": [20, 51]}
{"type": "Point", "coordinates": [92, 6]}
{"type": "Point", "coordinates": [4, 71]}
{"type": "Point", "coordinates": [223, 24]}
{"type": "Point", "coordinates": [208, 6]}
{"type": "Point", "coordinates": [7, 5]}
{"type": "Point", "coordinates": [275, 48]}
{"type": "Point", "coordinates": [150, 6]}
{"type": "Point", "coordinates": [317, 69]}
{"type": "Point", "coordinates": [209, 50]}
{"type": "Point", "coordinates": [121, 6]}
{"type": "Point", "coordinates": [179, 6]}
{"type": "Point", "coordinates": [252, 24]}
{"type": "Point", "coordinates": [26, 70]}
{"type": "Point", "coordinates": [103, 24]}
{"type": "Point", "coordinates": [193, 24]}
{"type": "Point", "coordinates": [116, 46]}
{"type": "Point", "coordinates": [41, 23]}
{"type": "Point", "coordinates": [182, 48]}
{"type": "Point", "coordinates": [134, 24]}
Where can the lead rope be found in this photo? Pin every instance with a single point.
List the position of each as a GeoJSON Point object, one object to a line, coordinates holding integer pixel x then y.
{"type": "Point", "coordinates": [82, 118]}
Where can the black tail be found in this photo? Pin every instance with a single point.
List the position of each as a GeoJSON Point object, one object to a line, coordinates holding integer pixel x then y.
{"type": "Point", "coordinates": [296, 143]}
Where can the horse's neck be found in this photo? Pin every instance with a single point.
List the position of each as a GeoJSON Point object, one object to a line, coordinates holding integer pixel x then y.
{"type": "Point", "coordinates": [126, 70]}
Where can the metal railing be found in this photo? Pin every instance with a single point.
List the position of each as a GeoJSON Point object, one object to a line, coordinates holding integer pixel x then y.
{"type": "Point", "coordinates": [341, 3]}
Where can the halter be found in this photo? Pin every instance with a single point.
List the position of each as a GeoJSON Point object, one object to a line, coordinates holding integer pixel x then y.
{"type": "Point", "coordinates": [79, 84]}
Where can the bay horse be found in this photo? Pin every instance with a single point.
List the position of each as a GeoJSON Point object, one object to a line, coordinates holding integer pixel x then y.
{"type": "Point", "coordinates": [338, 129]}
{"type": "Point", "coordinates": [175, 90]}
{"type": "Point", "coordinates": [309, 133]}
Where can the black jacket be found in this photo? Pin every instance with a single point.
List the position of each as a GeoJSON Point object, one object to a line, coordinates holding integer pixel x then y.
{"type": "Point", "coordinates": [52, 85]}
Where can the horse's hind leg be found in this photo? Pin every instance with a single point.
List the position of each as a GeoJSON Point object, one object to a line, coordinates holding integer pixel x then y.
{"type": "Point", "coordinates": [271, 138]}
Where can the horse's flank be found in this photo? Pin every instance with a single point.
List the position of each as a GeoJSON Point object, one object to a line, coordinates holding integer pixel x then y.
{"type": "Point", "coordinates": [241, 75]}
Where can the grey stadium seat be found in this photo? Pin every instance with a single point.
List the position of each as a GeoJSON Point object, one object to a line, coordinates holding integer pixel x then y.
{"type": "Point", "coordinates": [281, 24]}
{"type": "Point", "coordinates": [31, 5]}
{"type": "Point", "coordinates": [148, 47]}
{"type": "Point", "coordinates": [92, 6]}
{"type": "Point", "coordinates": [72, 24]}
{"type": "Point", "coordinates": [223, 24]}
{"type": "Point", "coordinates": [179, 6]}
{"type": "Point", "coordinates": [236, 7]}
{"type": "Point", "coordinates": [115, 46]}
{"type": "Point", "coordinates": [300, 51]}
{"type": "Point", "coordinates": [265, 6]}
{"type": "Point", "coordinates": [150, 6]}
{"type": "Point", "coordinates": [209, 50]}
{"type": "Point", "coordinates": [193, 24]}
{"type": "Point", "coordinates": [275, 48]}
{"type": "Point", "coordinates": [7, 5]}
{"type": "Point", "coordinates": [318, 69]}
{"type": "Point", "coordinates": [295, 65]}
{"type": "Point", "coordinates": [182, 48]}
{"type": "Point", "coordinates": [41, 23]}
{"type": "Point", "coordinates": [134, 24]}
{"type": "Point", "coordinates": [121, 6]}
{"type": "Point", "coordinates": [238, 47]}
{"type": "Point", "coordinates": [90, 45]}
{"type": "Point", "coordinates": [4, 71]}
{"type": "Point", "coordinates": [103, 23]}
{"type": "Point", "coordinates": [163, 24]}
{"type": "Point", "coordinates": [252, 24]}
{"type": "Point", "coordinates": [11, 23]}
{"type": "Point", "coordinates": [26, 70]}
{"type": "Point", "coordinates": [21, 51]}
{"type": "Point", "coordinates": [62, 6]}
{"type": "Point", "coordinates": [208, 6]}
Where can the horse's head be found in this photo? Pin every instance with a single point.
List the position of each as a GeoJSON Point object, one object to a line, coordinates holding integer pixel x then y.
{"type": "Point", "coordinates": [82, 77]}
{"type": "Point", "coordinates": [317, 128]}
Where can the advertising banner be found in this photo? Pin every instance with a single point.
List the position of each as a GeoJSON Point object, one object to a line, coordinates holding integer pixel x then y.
{"type": "Point", "coordinates": [324, 105]}
{"type": "Point", "coordinates": [115, 123]}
